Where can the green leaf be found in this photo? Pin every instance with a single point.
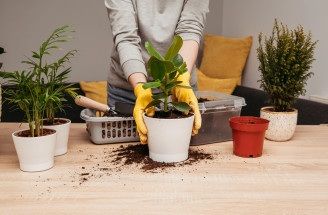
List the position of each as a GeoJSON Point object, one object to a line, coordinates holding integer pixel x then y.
{"type": "Point", "coordinates": [159, 96]}
{"type": "Point", "coordinates": [177, 60]}
{"type": "Point", "coordinates": [151, 85]}
{"type": "Point", "coordinates": [35, 55]}
{"type": "Point", "coordinates": [152, 51]}
{"type": "Point", "coordinates": [53, 47]}
{"type": "Point", "coordinates": [169, 86]}
{"type": "Point", "coordinates": [186, 87]}
{"type": "Point", "coordinates": [61, 41]}
{"type": "Point", "coordinates": [183, 68]}
{"type": "Point", "coordinates": [158, 68]}
{"type": "Point", "coordinates": [174, 48]}
{"type": "Point", "coordinates": [153, 103]}
{"type": "Point", "coordinates": [173, 74]}
{"type": "Point", "coordinates": [28, 62]}
{"type": "Point", "coordinates": [181, 106]}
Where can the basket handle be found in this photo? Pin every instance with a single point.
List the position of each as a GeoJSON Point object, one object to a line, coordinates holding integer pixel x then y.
{"type": "Point", "coordinates": [89, 103]}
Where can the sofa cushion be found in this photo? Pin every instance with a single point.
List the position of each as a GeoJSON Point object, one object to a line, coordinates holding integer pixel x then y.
{"type": "Point", "coordinates": [95, 90]}
{"type": "Point", "coordinates": [225, 58]}
{"type": "Point", "coordinates": [205, 83]}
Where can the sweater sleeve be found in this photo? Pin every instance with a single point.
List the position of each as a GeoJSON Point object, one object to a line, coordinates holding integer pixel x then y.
{"type": "Point", "coordinates": [123, 22]}
{"type": "Point", "coordinates": [192, 20]}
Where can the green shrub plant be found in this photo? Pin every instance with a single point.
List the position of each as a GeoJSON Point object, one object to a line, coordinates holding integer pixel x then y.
{"type": "Point", "coordinates": [285, 60]}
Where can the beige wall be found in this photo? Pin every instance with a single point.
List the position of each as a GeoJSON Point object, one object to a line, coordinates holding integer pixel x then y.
{"type": "Point", "coordinates": [243, 18]}
{"type": "Point", "coordinates": [25, 24]}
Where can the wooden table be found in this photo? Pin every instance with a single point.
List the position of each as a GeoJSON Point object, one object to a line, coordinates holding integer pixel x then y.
{"type": "Point", "coordinates": [290, 178]}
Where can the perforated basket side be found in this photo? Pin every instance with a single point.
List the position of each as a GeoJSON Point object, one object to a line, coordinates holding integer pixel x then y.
{"type": "Point", "coordinates": [104, 130]}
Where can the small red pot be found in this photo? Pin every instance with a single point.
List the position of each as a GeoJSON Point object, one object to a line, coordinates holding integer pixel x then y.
{"type": "Point", "coordinates": [248, 135]}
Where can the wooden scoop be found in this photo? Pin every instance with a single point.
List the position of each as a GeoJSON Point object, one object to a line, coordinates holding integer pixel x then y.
{"type": "Point", "coordinates": [92, 104]}
{"type": "Point", "coordinates": [120, 107]}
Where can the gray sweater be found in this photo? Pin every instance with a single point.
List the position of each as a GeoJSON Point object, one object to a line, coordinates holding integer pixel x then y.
{"type": "Point", "coordinates": [133, 22]}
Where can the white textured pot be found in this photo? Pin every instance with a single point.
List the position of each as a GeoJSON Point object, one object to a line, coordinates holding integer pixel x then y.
{"type": "Point", "coordinates": [169, 139]}
{"type": "Point", "coordinates": [35, 153]}
{"type": "Point", "coordinates": [282, 124]}
{"type": "Point", "coordinates": [62, 136]}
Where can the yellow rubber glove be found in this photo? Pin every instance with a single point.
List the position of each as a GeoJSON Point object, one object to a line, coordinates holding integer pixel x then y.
{"type": "Point", "coordinates": [143, 99]}
{"type": "Point", "coordinates": [187, 95]}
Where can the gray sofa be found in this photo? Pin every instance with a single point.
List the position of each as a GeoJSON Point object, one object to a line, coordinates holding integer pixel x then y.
{"type": "Point", "coordinates": [310, 113]}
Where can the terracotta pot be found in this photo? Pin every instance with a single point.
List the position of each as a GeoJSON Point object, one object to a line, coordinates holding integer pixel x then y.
{"type": "Point", "coordinates": [282, 124]}
{"type": "Point", "coordinates": [35, 153]}
{"type": "Point", "coordinates": [62, 136]}
{"type": "Point", "coordinates": [169, 139]}
{"type": "Point", "coordinates": [248, 135]}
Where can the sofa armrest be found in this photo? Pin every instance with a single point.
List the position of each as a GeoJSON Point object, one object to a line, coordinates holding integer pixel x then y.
{"type": "Point", "coordinates": [11, 112]}
{"type": "Point", "coordinates": [309, 112]}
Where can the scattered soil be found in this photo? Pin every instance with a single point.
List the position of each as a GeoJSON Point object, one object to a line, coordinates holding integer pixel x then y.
{"type": "Point", "coordinates": [139, 155]}
{"type": "Point", "coordinates": [27, 133]}
{"type": "Point", "coordinates": [128, 157]}
{"type": "Point", "coordinates": [117, 115]}
{"type": "Point", "coordinates": [172, 114]}
{"type": "Point", "coordinates": [56, 122]}
{"type": "Point", "coordinates": [200, 100]}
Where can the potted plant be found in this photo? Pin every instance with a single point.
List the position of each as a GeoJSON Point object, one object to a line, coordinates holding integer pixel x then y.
{"type": "Point", "coordinates": [55, 82]}
{"type": "Point", "coordinates": [35, 146]}
{"type": "Point", "coordinates": [285, 59]}
{"type": "Point", "coordinates": [33, 93]}
{"type": "Point", "coordinates": [169, 131]}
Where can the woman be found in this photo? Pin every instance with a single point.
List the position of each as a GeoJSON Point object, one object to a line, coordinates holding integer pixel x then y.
{"type": "Point", "coordinates": [133, 22]}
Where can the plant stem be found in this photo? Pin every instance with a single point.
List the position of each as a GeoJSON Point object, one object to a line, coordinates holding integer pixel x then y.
{"type": "Point", "coordinates": [166, 92]}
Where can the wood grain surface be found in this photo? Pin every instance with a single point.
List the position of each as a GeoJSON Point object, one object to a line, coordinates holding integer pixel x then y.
{"type": "Point", "coordinates": [290, 178]}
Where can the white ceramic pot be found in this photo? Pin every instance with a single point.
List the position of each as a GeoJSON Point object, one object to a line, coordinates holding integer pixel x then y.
{"type": "Point", "coordinates": [35, 153]}
{"type": "Point", "coordinates": [169, 139]}
{"type": "Point", "coordinates": [62, 136]}
{"type": "Point", "coordinates": [282, 124]}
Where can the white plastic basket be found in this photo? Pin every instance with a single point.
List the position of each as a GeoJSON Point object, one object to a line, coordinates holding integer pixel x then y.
{"type": "Point", "coordinates": [104, 130]}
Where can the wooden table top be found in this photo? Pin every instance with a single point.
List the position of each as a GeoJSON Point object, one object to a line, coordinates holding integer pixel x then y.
{"type": "Point", "coordinates": [290, 178]}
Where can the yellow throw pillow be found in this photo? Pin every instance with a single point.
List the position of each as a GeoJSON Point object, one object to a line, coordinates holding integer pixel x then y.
{"type": "Point", "coordinates": [225, 58]}
{"type": "Point", "coordinates": [205, 83]}
{"type": "Point", "coordinates": [95, 90]}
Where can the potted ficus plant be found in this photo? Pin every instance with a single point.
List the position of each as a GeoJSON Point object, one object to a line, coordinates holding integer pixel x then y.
{"type": "Point", "coordinates": [285, 59]}
{"type": "Point", "coordinates": [169, 131]}
{"type": "Point", "coordinates": [33, 94]}
{"type": "Point", "coordinates": [55, 82]}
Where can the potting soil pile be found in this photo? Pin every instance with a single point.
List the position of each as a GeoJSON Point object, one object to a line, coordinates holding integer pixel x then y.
{"type": "Point", "coordinates": [139, 154]}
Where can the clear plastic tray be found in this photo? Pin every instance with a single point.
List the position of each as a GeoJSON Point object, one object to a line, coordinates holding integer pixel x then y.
{"type": "Point", "coordinates": [215, 117]}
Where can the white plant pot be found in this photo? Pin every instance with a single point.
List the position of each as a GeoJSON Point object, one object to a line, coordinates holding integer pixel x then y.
{"type": "Point", "coordinates": [35, 153]}
{"type": "Point", "coordinates": [282, 124]}
{"type": "Point", "coordinates": [62, 136]}
{"type": "Point", "coordinates": [169, 139]}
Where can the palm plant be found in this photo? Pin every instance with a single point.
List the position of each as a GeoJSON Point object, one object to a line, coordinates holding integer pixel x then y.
{"type": "Point", "coordinates": [41, 90]}
{"type": "Point", "coordinates": [50, 75]}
